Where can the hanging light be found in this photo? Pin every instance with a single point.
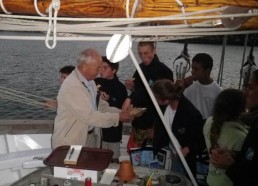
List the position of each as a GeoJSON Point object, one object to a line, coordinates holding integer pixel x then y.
{"type": "Point", "coordinates": [118, 47]}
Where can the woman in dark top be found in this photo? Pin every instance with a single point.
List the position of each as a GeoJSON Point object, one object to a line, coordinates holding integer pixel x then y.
{"type": "Point", "coordinates": [185, 122]}
{"type": "Point", "coordinates": [242, 168]}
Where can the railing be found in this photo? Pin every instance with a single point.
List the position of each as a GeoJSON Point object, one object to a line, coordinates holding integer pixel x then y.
{"type": "Point", "coordinates": [26, 127]}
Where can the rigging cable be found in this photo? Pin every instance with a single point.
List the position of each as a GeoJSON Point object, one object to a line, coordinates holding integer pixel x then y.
{"type": "Point", "coordinates": [109, 26]}
{"type": "Point", "coordinates": [243, 61]}
{"type": "Point", "coordinates": [249, 66]}
{"type": "Point", "coordinates": [182, 8]}
{"type": "Point", "coordinates": [221, 66]}
{"type": "Point", "coordinates": [187, 16]}
{"type": "Point", "coordinates": [133, 9]}
{"type": "Point", "coordinates": [26, 98]}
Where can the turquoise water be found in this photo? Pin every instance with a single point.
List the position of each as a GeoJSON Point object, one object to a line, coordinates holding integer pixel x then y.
{"type": "Point", "coordinates": [30, 67]}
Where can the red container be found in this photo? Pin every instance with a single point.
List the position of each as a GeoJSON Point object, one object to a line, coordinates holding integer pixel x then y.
{"type": "Point", "coordinates": [88, 181]}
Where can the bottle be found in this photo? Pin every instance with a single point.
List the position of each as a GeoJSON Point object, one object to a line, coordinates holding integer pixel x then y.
{"type": "Point", "coordinates": [88, 181]}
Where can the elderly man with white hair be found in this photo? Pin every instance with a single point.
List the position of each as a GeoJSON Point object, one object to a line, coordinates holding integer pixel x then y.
{"type": "Point", "coordinates": [79, 114]}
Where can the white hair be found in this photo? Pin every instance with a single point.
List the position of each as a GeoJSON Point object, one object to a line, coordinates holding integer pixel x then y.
{"type": "Point", "coordinates": [84, 59]}
{"type": "Point", "coordinates": [88, 56]}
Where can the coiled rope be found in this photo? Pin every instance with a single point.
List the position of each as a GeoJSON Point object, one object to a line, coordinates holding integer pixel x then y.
{"type": "Point", "coordinates": [51, 32]}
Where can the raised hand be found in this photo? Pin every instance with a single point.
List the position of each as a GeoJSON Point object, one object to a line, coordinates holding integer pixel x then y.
{"type": "Point", "coordinates": [221, 158]}
{"type": "Point", "coordinates": [126, 107]}
{"type": "Point", "coordinates": [129, 83]}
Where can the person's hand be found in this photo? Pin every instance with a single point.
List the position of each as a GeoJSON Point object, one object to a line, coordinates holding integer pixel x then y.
{"type": "Point", "coordinates": [150, 133]}
{"type": "Point", "coordinates": [187, 81]}
{"type": "Point", "coordinates": [125, 117]}
{"type": "Point", "coordinates": [185, 150]}
{"type": "Point", "coordinates": [129, 83]}
{"type": "Point", "coordinates": [221, 158]}
{"type": "Point", "coordinates": [52, 104]}
{"type": "Point", "coordinates": [126, 107]}
{"type": "Point", "coordinates": [180, 83]}
{"type": "Point", "coordinates": [104, 96]}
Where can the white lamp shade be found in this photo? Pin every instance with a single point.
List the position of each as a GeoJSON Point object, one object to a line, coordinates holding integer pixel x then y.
{"type": "Point", "coordinates": [118, 47]}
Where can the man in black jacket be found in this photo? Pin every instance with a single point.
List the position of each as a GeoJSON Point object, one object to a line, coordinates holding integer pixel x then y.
{"type": "Point", "coordinates": [243, 167]}
{"type": "Point", "coordinates": [114, 92]}
{"type": "Point", "coordinates": [153, 70]}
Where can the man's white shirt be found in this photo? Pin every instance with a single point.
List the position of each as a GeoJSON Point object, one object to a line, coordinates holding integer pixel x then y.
{"type": "Point", "coordinates": [203, 96]}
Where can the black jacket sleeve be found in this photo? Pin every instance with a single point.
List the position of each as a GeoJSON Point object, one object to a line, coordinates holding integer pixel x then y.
{"type": "Point", "coordinates": [244, 171]}
{"type": "Point", "coordinates": [188, 126]}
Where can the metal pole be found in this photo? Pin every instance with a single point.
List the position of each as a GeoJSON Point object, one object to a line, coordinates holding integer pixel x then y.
{"type": "Point", "coordinates": [221, 66]}
{"type": "Point", "coordinates": [243, 61]}
{"type": "Point", "coordinates": [171, 136]}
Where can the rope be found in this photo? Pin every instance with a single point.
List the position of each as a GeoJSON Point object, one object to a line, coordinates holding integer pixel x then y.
{"type": "Point", "coordinates": [172, 36]}
{"type": "Point", "coordinates": [20, 92]}
{"type": "Point", "coordinates": [182, 8]}
{"type": "Point", "coordinates": [111, 26]}
{"type": "Point", "coordinates": [177, 30]}
{"type": "Point", "coordinates": [25, 98]}
{"type": "Point", "coordinates": [133, 9]}
{"type": "Point", "coordinates": [127, 8]}
{"type": "Point", "coordinates": [122, 36]}
{"type": "Point", "coordinates": [134, 20]}
{"type": "Point", "coordinates": [3, 8]}
{"type": "Point", "coordinates": [101, 27]}
{"type": "Point", "coordinates": [28, 102]}
{"type": "Point", "coordinates": [52, 23]}
{"type": "Point", "coordinates": [37, 10]}
{"type": "Point", "coordinates": [40, 26]}
{"type": "Point", "coordinates": [187, 16]}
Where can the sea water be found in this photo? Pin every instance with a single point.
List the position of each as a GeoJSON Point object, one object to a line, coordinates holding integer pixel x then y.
{"type": "Point", "coordinates": [30, 67]}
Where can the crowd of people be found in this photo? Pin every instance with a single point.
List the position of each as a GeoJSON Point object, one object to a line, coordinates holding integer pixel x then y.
{"type": "Point", "coordinates": [93, 103]}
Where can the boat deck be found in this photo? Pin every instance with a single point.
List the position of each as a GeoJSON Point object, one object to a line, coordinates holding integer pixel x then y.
{"type": "Point", "coordinates": [26, 126]}
{"type": "Point", "coordinates": [23, 140]}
